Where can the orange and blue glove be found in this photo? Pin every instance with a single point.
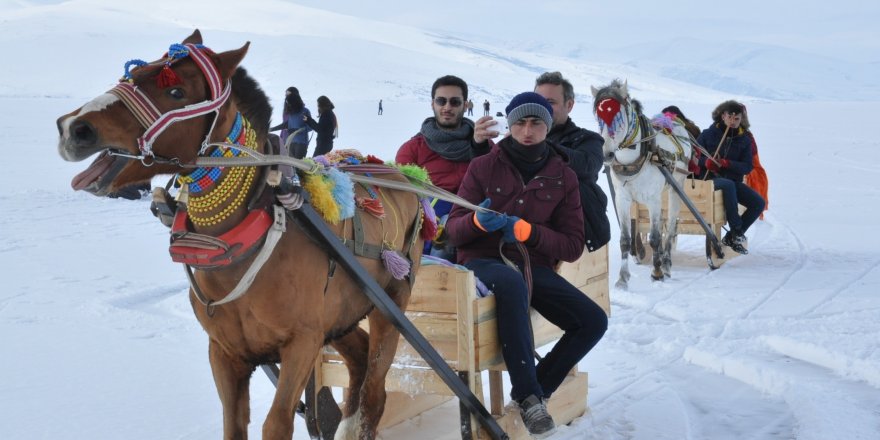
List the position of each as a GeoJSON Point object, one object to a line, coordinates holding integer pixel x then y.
{"type": "Point", "coordinates": [489, 221]}
{"type": "Point", "coordinates": [517, 229]}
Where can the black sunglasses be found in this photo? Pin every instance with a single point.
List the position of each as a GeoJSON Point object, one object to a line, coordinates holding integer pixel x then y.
{"type": "Point", "coordinates": [441, 101]}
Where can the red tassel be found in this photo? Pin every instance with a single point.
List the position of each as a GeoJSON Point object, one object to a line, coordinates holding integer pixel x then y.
{"type": "Point", "coordinates": [429, 229]}
{"type": "Point", "coordinates": [167, 78]}
{"type": "Point", "coordinates": [372, 206]}
{"type": "Point", "coordinates": [373, 159]}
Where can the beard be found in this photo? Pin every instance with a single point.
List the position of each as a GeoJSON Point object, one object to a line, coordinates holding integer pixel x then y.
{"type": "Point", "coordinates": [448, 122]}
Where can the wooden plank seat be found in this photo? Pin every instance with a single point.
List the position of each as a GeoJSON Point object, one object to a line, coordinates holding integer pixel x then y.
{"type": "Point", "coordinates": [461, 326]}
{"type": "Point", "coordinates": [709, 203]}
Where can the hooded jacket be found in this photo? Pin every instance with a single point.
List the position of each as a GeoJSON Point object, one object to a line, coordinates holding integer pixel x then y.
{"type": "Point", "coordinates": [550, 202]}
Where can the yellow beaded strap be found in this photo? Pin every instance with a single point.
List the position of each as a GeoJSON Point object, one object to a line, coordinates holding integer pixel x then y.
{"type": "Point", "coordinates": [218, 194]}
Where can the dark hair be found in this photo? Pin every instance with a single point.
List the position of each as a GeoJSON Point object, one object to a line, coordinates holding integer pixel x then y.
{"type": "Point", "coordinates": [293, 103]}
{"type": "Point", "coordinates": [675, 111]}
{"type": "Point", "coordinates": [324, 103]}
{"type": "Point", "coordinates": [556, 79]}
{"type": "Point", "coordinates": [450, 80]}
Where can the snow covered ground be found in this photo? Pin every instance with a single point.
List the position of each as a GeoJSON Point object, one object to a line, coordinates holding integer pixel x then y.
{"type": "Point", "coordinates": [98, 340]}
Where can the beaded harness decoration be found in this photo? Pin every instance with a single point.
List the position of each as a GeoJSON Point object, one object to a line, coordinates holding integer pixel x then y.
{"type": "Point", "coordinates": [216, 192]}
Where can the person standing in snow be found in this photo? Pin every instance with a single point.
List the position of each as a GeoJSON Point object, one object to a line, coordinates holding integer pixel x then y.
{"type": "Point", "coordinates": [294, 115]}
{"type": "Point", "coordinates": [325, 126]}
{"type": "Point", "coordinates": [380, 107]}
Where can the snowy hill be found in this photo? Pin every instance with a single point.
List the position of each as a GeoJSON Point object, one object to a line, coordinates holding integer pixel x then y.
{"type": "Point", "coordinates": [97, 337]}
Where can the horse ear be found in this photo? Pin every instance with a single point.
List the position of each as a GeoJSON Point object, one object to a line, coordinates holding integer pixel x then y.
{"type": "Point", "coordinates": [195, 38]}
{"type": "Point", "coordinates": [625, 88]}
{"type": "Point", "coordinates": [228, 61]}
{"type": "Point", "coordinates": [594, 91]}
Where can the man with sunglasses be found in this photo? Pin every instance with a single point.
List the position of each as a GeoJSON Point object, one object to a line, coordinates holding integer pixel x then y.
{"type": "Point", "coordinates": [447, 142]}
{"type": "Point", "coordinates": [731, 149]}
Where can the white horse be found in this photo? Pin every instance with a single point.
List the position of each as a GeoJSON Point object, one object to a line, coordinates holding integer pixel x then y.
{"type": "Point", "coordinates": [635, 148]}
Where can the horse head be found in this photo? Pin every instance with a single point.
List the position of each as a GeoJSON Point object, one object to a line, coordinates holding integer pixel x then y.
{"type": "Point", "coordinates": [160, 114]}
{"type": "Point", "coordinates": [617, 115]}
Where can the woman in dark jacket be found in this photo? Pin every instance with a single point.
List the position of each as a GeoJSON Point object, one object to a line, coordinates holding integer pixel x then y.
{"type": "Point", "coordinates": [325, 126]}
{"type": "Point", "coordinates": [527, 179]}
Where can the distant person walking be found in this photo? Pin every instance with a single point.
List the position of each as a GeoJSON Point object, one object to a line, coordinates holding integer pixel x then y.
{"type": "Point", "coordinates": [294, 115]}
{"type": "Point", "coordinates": [380, 107]}
{"type": "Point", "coordinates": [325, 126]}
{"type": "Point", "coordinates": [470, 107]}
{"type": "Point", "coordinates": [486, 108]}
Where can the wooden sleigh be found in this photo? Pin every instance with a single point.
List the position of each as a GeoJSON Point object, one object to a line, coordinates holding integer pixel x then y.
{"type": "Point", "coordinates": [709, 204]}
{"type": "Point", "coordinates": [461, 326]}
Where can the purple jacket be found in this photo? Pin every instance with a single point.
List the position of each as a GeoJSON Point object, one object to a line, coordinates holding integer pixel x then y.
{"type": "Point", "coordinates": [551, 202]}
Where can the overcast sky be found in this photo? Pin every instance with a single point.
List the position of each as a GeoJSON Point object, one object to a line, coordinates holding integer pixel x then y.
{"type": "Point", "coordinates": [841, 28]}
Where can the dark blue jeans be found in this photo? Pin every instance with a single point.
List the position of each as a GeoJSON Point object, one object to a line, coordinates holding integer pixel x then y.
{"type": "Point", "coordinates": [582, 320]}
{"type": "Point", "coordinates": [738, 193]}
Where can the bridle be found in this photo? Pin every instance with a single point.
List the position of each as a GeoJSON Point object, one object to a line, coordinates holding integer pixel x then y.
{"type": "Point", "coordinates": [155, 122]}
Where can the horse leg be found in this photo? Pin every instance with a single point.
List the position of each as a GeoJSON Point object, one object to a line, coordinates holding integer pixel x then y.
{"type": "Point", "coordinates": [383, 345]}
{"type": "Point", "coordinates": [232, 378]}
{"type": "Point", "coordinates": [297, 360]}
{"type": "Point", "coordinates": [654, 212]}
{"type": "Point", "coordinates": [353, 347]}
{"type": "Point", "coordinates": [671, 232]}
{"type": "Point", "coordinates": [623, 216]}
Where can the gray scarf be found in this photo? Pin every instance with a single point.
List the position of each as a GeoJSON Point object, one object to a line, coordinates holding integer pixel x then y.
{"type": "Point", "coordinates": [454, 145]}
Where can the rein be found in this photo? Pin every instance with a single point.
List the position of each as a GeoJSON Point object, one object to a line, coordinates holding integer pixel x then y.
{"type": "Point", "coordinates": [259, 159]}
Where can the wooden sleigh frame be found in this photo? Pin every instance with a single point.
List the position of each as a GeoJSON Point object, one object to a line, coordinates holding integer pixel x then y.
{"type": "Point", "coordinates": [461, 326]}
{"type": "Point", "coordinates": [709, 203]}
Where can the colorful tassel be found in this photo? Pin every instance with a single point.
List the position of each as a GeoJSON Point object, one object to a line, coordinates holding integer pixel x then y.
{"type": "Point", "coordinates": [343, 193]}
{"type": "Point", "coordinates": [371, 206]}
{"type": "Point", "coordinates": [396, 264]}
{"type": "Point", "coordinates": [321, 192]}
{"type": "Point", "coordinates": [167, 77]}
{"type": "Point", "coordinates": [415, 172]}
{"type": "Point", "coordinates": [373, 159]}
{"type": "Point", "coordinates": [429, 220]}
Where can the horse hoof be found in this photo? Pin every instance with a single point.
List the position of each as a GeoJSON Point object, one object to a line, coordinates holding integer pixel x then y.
{"type": "Point", "coordinates": [657, 276]}
{"type": "Point", "coordinates": [621, 284]}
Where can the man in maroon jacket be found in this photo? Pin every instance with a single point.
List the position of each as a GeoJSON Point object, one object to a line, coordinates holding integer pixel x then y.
{"type": "Point", "coordinates": [526, 178]}
{"type": "Point", "coordinates": [448, 141]}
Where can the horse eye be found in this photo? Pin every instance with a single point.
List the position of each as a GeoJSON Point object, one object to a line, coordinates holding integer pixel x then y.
{"type": "Point", "coordinates": [176, 93]}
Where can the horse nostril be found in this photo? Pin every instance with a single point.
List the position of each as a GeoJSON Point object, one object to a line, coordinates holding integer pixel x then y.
{"type": "Point", "coordinates": [83, 133]}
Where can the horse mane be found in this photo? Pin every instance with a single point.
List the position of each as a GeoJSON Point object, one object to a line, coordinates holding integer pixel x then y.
{"type": "Point", "coordinates": [252, 101]}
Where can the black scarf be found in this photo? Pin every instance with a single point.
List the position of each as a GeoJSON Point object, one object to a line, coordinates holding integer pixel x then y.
{"type": "Point", "coordinates": [528, 160]}
{"type": "Point", "coordinates": [455, 145]}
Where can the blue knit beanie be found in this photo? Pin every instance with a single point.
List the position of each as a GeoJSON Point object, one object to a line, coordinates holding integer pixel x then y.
{"type": "Point", "coordinates": [529, 104]}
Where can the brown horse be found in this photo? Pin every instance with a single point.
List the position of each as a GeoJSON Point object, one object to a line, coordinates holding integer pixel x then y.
{"type": "Point", "coordinates": [296, 303]}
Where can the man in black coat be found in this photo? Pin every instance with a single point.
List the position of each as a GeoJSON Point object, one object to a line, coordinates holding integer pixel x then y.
{"type": "Point", "coordinates": [584, 149]}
